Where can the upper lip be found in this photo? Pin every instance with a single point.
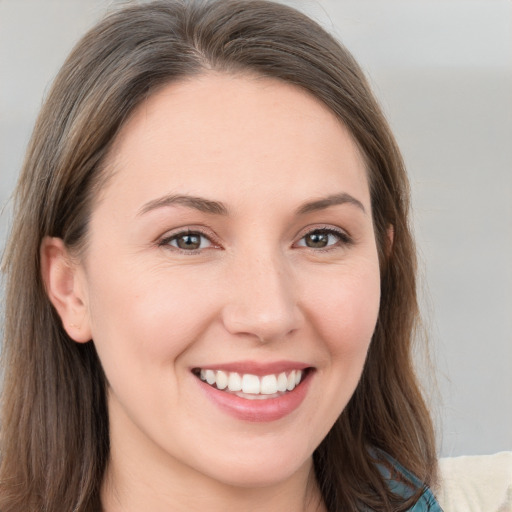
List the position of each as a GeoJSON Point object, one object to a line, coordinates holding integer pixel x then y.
{"type": "Point", "coordinates": [257, 368]}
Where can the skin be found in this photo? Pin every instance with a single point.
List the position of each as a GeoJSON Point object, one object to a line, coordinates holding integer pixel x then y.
{"type": "Point", "coordinates": [254, 290]}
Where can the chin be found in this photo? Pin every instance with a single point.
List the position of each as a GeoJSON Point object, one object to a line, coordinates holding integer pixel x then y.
{"type": "Point", "coordinates": [261, 471]}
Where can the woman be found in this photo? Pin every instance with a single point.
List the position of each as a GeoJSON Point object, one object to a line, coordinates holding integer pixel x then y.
{"type": "Point", "coordinates": [211, 279]}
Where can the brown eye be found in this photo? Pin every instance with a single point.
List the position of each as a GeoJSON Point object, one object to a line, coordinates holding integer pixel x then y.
{"type": "Point", "coordinates": [189, 241]}
{"type": "Point", "coordinates": [323, 238]}
{"type": "Point", "coordinates": [317, 239]}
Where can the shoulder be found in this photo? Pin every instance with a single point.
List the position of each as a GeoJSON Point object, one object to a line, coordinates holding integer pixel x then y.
{"type": "Point", "coordinates": [404, 484]}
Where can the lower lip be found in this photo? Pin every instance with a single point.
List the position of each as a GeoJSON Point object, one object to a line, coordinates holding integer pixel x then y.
{"type": "Point", "coordinates": [269, 409]}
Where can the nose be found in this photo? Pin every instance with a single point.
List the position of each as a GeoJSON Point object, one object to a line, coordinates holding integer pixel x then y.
{"type": "Point", "coordinates": [262, 299]}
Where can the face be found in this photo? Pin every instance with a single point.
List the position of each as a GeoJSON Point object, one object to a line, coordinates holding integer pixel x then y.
{"type": "Point", "coordinates": [231, 280]}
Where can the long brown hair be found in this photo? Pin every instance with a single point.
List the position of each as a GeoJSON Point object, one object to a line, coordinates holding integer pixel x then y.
{"type": "Point", "coordinates": [54, 419]}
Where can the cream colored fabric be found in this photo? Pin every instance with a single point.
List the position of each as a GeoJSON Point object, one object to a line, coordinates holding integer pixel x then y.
{"type": "Point", "coordinates": [481, 483]}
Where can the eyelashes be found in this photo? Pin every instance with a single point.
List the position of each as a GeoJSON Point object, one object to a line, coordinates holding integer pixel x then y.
{"type": "Point", "coordinates": [324, 238]}
{"type": "Point", "coordinates": [318, 239]}
{"type": "Point", "coordinates": [188, 241]}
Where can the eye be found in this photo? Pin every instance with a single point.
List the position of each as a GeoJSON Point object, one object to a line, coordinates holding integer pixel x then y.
{"type": "Point", "coordinates": [323, 238]}
{"type": "Point", "coordinates": [187, 241]}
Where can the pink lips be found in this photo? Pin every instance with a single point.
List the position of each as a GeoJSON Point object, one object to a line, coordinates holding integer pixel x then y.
{"type": "Point", "coordinates": [269, 409]}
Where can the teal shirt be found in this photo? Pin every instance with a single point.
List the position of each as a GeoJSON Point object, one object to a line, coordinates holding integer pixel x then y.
{"type": "Point", "coordinates": [407, 485]}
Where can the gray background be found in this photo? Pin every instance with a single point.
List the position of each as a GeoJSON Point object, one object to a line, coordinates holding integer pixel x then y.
{"type": "Point", "coordinates": [443, 72]}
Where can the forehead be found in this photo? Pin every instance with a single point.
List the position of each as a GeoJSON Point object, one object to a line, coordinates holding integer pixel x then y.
{"type": "Point", "coordinates": [244, 131]}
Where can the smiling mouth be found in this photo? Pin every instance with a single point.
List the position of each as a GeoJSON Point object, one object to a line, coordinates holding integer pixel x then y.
{"type": "Point", "coordinates": [249, 386]}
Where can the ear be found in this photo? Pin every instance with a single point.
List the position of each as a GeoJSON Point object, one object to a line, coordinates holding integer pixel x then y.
{"type": "Point", "coordinates": [64, 281]}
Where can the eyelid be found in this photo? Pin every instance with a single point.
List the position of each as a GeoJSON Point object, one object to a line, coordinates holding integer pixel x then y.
{"type": "Point", "coordinates": [344, 237]}
{"type": "Point", "coordinates": [164, 240]}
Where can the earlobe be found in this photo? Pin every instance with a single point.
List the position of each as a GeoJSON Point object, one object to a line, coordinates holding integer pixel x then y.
{"type": "Point", "coordinates": [64, 285]}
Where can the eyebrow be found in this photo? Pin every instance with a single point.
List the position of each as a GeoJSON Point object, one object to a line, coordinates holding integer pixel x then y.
{"type": "Point", "coordinates": [198, 203]}
{"type": "Point", "coordinates": [326, 202]}
{"type": "Point", "coordinates": [218, 208]}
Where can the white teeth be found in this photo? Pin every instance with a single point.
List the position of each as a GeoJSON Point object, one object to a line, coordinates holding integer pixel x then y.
{"type": "Point", "coordinates": [268, 385]}
{"type": "Point", "coordinates": [234, 382]}
{"type": "Point", "coordinates": [291, 381]}
{"type": "Point", "coordinates": [282, 382]}
{"type": "Point", "coordinates": [222, 380]}
{"type": "Point", "coordinates": [252, 386]}
{"type": "Point", "coordinates": [210, 377]}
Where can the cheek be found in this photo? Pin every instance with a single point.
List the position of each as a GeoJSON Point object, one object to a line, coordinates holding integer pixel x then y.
{"type": "Point", "coordinates": [152, 317]}
{"type": "Point", "coordinates": [345, 311]}
{"type": "Point", "coordinates": [141, 328]}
